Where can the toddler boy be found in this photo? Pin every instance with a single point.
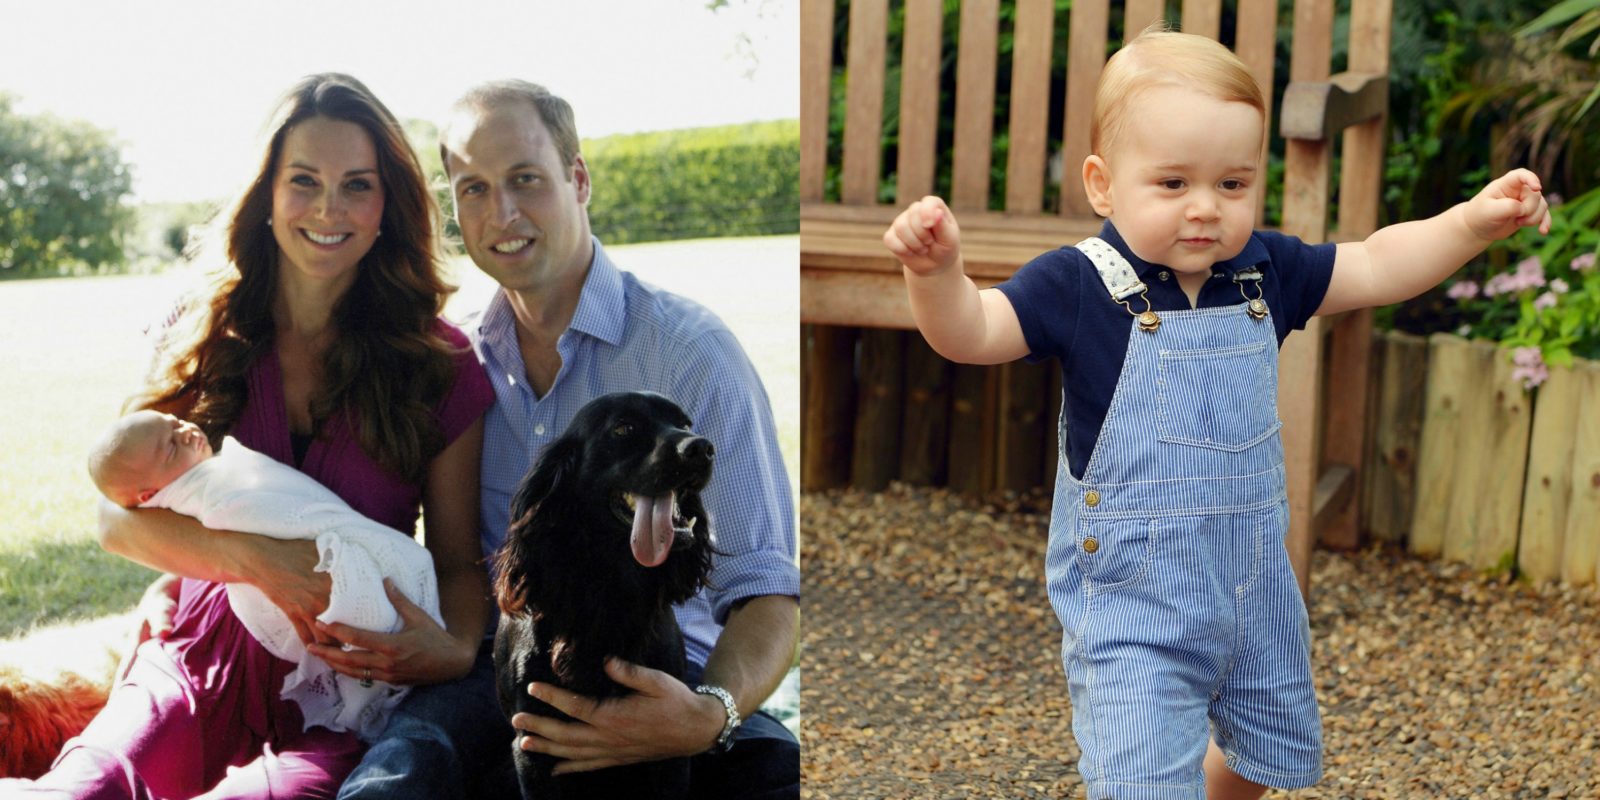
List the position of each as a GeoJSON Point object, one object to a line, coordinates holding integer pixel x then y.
{"type": "Point", "coordinates": [1185, 643]}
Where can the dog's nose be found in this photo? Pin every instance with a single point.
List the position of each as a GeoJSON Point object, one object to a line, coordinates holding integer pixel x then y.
{"type": "Point", "coordinates": [698, 451]}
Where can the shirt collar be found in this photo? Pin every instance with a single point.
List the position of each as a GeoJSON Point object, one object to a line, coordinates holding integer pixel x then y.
{"type": "Point", "coordinates": [1253, 254]}
{"type": "Point", "coordinates": [601, 311]}
{"type": "Point", "coordinates": [603, 305]}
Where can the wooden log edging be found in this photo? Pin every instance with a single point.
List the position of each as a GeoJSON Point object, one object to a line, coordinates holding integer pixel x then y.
{"type": "Point", "coordinates": [1504, 479]}
{"type": "Point", "coordinates": [1581, 543]}
{"type": "Point", "coordinates": [1401, 365]}
{"type": "Point", "coordinates": [1465, 463]}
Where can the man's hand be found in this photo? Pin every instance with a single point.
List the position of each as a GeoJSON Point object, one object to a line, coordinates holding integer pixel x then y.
{"type": "Point", "coordinates": [925, 237]}
{"type": "Point", "coordinates": [662, 719]}
{"type": "Point", "coordinates": [422, 651]}
{"type": "Point", "coordinates": [1514, 200]}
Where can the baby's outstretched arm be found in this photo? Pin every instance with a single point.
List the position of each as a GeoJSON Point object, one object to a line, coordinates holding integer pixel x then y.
{"type": "Point", "coordinates": [1404, 260]}
{"type": "Point", "coordinates": [960, 322]}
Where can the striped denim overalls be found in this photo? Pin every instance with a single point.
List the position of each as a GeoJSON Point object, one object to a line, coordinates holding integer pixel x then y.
{"type": "Point", "coordinates": [1166, 563]}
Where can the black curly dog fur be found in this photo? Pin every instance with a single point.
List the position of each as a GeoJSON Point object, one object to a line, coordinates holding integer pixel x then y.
{"type": "Point", "coordinates": [575, 584]}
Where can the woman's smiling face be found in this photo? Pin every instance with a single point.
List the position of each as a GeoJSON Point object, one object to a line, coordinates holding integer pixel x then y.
{"type": "Point", "coordinates": [327, 200]}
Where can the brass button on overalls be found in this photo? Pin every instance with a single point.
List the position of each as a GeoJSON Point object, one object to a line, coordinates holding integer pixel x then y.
{"type": "Point", "coordinates": [1091, 544]}
{"type": "Point", "coordinates": [1091, 498]}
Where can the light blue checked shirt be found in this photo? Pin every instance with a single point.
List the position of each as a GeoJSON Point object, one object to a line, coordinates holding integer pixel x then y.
{"type": "Point", "coordinates": [628, 335]}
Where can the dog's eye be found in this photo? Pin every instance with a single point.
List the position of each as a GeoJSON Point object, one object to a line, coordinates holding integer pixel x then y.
{"type": "Point", "coordinates": [622, 429]}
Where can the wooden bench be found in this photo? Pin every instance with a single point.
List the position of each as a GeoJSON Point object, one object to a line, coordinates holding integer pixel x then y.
{"type": "Point", "coordinates": [877, 404]}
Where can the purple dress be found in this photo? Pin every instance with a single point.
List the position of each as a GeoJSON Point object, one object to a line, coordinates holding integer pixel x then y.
{"type": "Point", "coordinates": [200, 710]}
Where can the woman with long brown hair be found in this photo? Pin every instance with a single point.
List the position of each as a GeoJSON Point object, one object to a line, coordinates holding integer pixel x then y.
{"type": "Point", "coordinates": [320, 345]}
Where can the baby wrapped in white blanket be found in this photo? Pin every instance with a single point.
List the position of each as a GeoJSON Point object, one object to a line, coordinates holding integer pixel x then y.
{"type": "Point", "coordinates": [157, 461]}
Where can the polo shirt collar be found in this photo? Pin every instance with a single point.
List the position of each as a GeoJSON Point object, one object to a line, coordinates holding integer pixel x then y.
{"type": "Point", "coordinates": [1253, 254]}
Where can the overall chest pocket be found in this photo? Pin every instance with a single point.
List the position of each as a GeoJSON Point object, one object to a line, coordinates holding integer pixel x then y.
{"type": "Point", "coordinates": [1219, 398]}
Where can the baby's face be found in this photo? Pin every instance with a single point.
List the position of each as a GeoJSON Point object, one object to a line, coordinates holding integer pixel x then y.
{"type": "Point", "coordinates": [160, 448]}
{"type": "Point", "coordinates": [1185, 174]}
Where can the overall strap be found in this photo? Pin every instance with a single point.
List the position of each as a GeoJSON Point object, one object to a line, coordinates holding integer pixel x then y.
{"type": "Point", "coordinates": [1120, 280]}
{"type": "Point", "coordinates": [1115, 271]}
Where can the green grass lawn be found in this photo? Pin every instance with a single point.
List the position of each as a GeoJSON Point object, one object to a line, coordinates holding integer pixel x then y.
{"type": "Point", "coordinates": [72, 351]}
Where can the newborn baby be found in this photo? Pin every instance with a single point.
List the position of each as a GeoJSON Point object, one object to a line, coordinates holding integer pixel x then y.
{"type": "Point", "coordinates": [154, 460]}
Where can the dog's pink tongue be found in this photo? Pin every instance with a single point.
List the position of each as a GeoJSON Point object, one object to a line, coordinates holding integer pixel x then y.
{"type": "Point", "coordinates": [652, 529]}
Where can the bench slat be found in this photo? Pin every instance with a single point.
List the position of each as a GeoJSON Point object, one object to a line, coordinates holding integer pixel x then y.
{"type": "Point", "coordinates": [816, 53]}
{"type": "Point", "coordinates": [1085, 58]}
{"type": "Point", "coordinates": [919, 100]}
{"type": "Point", "coordinates": [975, 71]}
{"type": "Point", "coordinates": [863, 115]}
{"type": "Point", "coordinates": [1361, 178]}
{"type": "Point", "coordinates": [1030, 105]}
{"type": "Point", "coordinates": [1255, 41]}
{"type": "Point", "coordinates": [1141, 14]}
{"type": "Point", "coordinates": [1203, 17]}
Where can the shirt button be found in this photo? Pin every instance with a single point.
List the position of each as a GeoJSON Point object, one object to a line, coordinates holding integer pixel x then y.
{"type": "Point", "coordinates": [1091, 499]}
{"type": "Point", "coordinates": [539, 429]}
{"type": "Point", "coordinates": [1164, 275]}
{"type": "Point", "coordinates": [1091, 544]}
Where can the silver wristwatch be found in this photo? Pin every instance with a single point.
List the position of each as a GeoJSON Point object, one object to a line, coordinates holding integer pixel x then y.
{"type": "Point", "coordinates": [724, 739]}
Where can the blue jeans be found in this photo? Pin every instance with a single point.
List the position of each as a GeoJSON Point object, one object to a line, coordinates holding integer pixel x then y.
{"type": "Point", "coordinates": [440, 742]}
{"type": "Point", "coordinates": [764, 764]}
{"type": "Point", "coordinates": [451, 741]}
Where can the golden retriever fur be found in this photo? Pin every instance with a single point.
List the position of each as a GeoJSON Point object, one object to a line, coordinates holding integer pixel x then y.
{"type": "Point", "coordinates": [52, 682]}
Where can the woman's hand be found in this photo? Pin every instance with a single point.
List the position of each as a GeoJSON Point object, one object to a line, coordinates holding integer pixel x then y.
{"type": "Point", "coordinates": [285, 571]}
{"type": "Point", "coordinates": [420, 652]}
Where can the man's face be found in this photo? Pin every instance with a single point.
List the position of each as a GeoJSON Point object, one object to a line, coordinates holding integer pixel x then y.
{"type": "Point", "coordinates": [521, 210]}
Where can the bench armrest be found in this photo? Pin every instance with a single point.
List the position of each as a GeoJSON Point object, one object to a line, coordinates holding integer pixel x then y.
{"type": "Point", "coordinates": [1318, 109]}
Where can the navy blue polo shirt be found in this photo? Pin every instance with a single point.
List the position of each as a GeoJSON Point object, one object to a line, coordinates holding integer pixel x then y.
{"type": "Point", "coordinates": [1067, 313]}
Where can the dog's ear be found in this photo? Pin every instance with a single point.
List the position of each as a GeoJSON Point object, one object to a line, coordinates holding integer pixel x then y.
{"type": "Point", "coordinates": [557, 466]}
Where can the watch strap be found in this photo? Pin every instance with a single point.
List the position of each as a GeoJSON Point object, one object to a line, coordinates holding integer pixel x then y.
{"type": "Point", "coordinates": [725, 738]}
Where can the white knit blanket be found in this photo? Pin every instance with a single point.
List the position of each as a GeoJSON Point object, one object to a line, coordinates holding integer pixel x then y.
{"type": "Point", "coordinates": [242, 490]}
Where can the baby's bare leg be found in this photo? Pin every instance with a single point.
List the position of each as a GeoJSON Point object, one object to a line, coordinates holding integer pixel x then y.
{"type": "Point", "coordinates": [1223, 783]}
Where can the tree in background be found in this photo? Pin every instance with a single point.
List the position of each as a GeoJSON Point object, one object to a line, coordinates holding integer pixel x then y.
{"type": "Point", "coordinates": [62, 183]}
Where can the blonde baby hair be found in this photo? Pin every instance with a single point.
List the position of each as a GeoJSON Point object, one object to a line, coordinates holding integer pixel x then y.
{"type": "Point", "coordinates": [1160, 57]}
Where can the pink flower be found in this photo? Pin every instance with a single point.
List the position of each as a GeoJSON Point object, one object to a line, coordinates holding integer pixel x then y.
{"type": "Point", "coordinates": [1530, 368]}
{"type": "Point", "coordinates": [1498, 284]}
{"type": "Point", "coordinates": [1559, 286]}
{"type": "Point", "coordinates": [1583, 262]}
{"type": "Point", "coordinates": [1544, 301]}
{"type": "Point", "coordinates": [1463, 290]}
{"type": "Point", "coordinates": [1530, 271]}
{"type": "Point", "coordinates": [1529, 274]}
{"type": "Point", "coordinates": [1554, 199]}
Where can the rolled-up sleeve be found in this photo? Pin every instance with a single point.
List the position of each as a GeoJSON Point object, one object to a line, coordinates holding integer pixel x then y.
{"type": "Point", "coordinates": [749, 499]}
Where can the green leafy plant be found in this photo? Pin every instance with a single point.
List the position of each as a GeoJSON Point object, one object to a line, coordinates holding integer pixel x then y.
{"type": "Point", "coordinates": [62, 183]}
{"type": "Point", "coordinates": [731, 180]}
{"type": "Point", "coordinates": [1546, 309]}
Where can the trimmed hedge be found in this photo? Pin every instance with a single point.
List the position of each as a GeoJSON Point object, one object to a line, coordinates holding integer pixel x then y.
{"type": "Point", "coordinates": [732, 180]}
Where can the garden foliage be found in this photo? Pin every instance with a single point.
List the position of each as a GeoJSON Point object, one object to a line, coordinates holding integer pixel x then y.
{"type": "Point", "coordinates": [1546, 307]}
{"type": "Point", "coordinates": [1525, 96]}
{"type": "Point", "coordinates": [733, 180]}
{"type": "Point", "coordinates": [62, 183]}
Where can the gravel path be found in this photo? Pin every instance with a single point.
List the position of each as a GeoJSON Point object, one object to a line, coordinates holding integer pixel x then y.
{"type": "Point", "coordinates": [931, 670]}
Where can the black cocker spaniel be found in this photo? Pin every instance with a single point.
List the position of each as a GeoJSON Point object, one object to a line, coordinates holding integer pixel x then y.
{"type": "Point", "coordinates": [607, 535]}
